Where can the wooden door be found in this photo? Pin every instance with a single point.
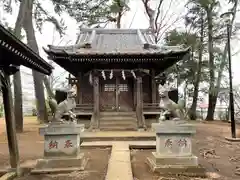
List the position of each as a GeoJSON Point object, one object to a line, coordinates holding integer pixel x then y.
{"type": "Point", "coordinates": [125, 94]}
{"type": "Point", "coordinates": [108, 95]}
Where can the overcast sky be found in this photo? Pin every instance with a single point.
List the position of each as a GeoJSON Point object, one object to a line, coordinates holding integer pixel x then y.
{"type": "Point", "coordinates": [135, 18]}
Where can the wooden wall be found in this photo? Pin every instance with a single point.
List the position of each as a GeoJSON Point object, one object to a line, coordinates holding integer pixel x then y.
{"type": "Point", "coordinates": [87, 91]}
{"type": "Point", "coordinates": [146, 86]}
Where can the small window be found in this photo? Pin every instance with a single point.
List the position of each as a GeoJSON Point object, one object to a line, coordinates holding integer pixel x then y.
{"type": "Point", "coordinates": [109, 87]}
{"type": "Point", "coordinates": [123, 87]}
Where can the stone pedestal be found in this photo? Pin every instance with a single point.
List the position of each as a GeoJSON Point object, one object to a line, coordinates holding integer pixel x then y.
{"type": "Point", "coordinates": [174, 149]}
{"type": "Point", "coordinates": [61, 149]}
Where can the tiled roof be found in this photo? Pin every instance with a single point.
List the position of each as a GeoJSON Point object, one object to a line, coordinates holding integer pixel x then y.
{"type": "Point", "coordinates": [114, 41]}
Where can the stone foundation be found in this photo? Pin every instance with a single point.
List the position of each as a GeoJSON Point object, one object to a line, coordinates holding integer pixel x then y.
{"type": "Point", "coordinates": [60, 165]}
{"type": "Point", "coordinates": [61, 149]}
{"type": "Point", "coordinates": [181, 160]}
{"type": "Point", "coordinates": [193, 171]}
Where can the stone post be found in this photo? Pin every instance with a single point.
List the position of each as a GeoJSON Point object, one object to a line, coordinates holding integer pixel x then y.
{"type": "Point", "coordinates": [174, 149]}
{"type": "Point", "coordinates": [61, 148]}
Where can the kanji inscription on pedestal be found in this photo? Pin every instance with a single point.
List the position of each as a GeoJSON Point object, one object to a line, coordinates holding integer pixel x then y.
{"type": "Point", "coordinates": [182, 142]}
{"type": "Point", "coordinates": [68, 144]}
{"type": "Point", "coordinates": [174, 146]}
{"type": "Point", "coordinates": [53, 145]}
{"type": "Point", "coordinates": [168, 143]}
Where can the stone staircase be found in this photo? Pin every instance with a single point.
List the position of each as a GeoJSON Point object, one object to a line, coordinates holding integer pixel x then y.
{"type": "Point", "coordinates": [118, 121]}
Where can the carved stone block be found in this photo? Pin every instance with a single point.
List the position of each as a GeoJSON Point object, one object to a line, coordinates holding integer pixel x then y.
{"type": "Point", "coordinates": [61, 148]}
{"type": "Point", "coordinates": [174, 149]}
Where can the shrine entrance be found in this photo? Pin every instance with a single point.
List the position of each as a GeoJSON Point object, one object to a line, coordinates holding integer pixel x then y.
{"type": "Point", "coordinates": [116, 94]}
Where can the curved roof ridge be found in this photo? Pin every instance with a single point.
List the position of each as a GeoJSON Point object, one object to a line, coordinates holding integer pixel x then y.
{"type": "Point", "coordinates": [112, 30]}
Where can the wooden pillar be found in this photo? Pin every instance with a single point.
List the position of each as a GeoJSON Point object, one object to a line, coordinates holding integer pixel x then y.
{"type": "Point", "coordinates": [10, 125]}
{"type": "Point", "coordinates": [135, 94]}
{"type": "Point", "coordinates": [79, 88]}
{"type": "Point", "coordinates": [96, 99]}
{"type": "Point", "coordinates": [69, 79]}
{"type": "Point", "coordinates": [117, 93]}
{"type": "Point", "coordinates": [139, 108]}
{"type": "Point", "coordinates": [157, 93]}
{"type": "Point", "coordinates": [154, 87]}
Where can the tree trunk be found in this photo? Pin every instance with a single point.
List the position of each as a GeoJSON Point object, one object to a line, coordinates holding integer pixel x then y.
{"type": "Point", "coordinates": [150, 13]}
{"type": "Point", "coordinates": [193, 108]}
{"type": "Point", "coordinates": [119, 20]}
{"type": "Point", "coordinates": [48, 87]}
{"type": "Point", "coordinates": [18, 112]}
{"type": "Point", "coordinates": [119, 16]}
{"type": "Point", "coordinates": [37, 77]}
{"type": "Point", "coordinates": [50, 93]}
{"type": "Point", "coordinates": [212, 89]}
{"type": "Point", "coordinates": [211, 107]}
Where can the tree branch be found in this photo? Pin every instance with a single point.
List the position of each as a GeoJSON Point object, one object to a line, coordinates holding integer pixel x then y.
{"type": "Point", "coordinates": [150, 12]}
{"type": "Point", "coordinates": [160, 35]}
{"type": "Point", "coordinates": [158, 13]}
{"type": "Point", "coordinates": [163, 18]}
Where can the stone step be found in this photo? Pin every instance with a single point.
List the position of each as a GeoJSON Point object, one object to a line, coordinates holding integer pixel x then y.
{"type": "Point", "coordinates": [103, 114]}
{"type": "Point", "coordinates": [118, 122]}
{"type": "Point", "coordinates": [111, 125]}
{"type": "Point", "coordinates": [117, 118]}
{"type": "Point", "coordinates": [117, 128]}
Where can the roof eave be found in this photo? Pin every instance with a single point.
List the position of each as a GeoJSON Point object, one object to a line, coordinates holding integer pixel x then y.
{"type": "Point", "coordinates": [65, 53]}
{"type": "Point", "coordinates": [28, 52]}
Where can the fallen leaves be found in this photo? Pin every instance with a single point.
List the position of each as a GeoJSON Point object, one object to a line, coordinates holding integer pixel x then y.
{"type": "Point", "coordinates": [237, 172]}
{"type": "Point", "coordinates": [213, 175]}
{"type": "Point", "coordinates": [234, 159]}
{"type": "Point", "coordinates": [208, 153]}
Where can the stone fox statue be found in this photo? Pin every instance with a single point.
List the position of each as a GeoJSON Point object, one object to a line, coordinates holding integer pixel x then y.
{"type": "Point", "coordinates": [65, 106]}
{"type": "Point", "coordinates": [177, 111]}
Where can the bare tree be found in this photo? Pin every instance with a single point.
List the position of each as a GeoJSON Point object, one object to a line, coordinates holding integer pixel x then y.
{"type": "Point", "coordinates": [160, 20]}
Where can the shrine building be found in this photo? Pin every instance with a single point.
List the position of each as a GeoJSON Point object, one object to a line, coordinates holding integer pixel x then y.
{"type": "Point", "coordinates": [115, 71]}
